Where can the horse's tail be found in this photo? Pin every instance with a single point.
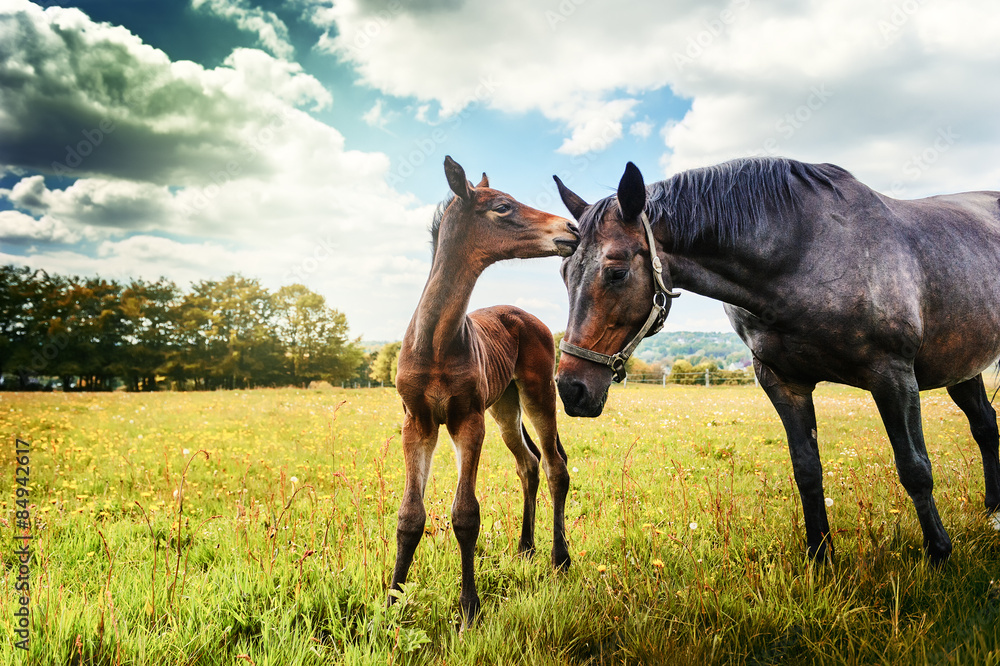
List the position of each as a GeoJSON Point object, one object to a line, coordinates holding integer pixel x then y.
{"type": "Point", "coordinates": [534, 449]}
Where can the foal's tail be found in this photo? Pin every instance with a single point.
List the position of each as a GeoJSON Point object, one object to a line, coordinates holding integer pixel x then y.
{"type": "Point", "coordinates": [534, 449]}
{"type": "Point", "coordinates": [530, 444]}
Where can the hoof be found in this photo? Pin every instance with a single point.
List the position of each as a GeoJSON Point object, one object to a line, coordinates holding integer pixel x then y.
{"type": "Point", "coordinates": [561, 561]}
{"type": "Point", "coordinates": [527, 551]}
{"type": "Point", "coordinates": [938, 554]}
{"type": "Point", "coordinates": [822, 552]}
{"type": "Point", "coordinates": [470, 612]}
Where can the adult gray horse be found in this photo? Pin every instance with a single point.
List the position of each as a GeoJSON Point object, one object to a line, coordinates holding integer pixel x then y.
{"type": "Point", "coordinates": [824, 279]}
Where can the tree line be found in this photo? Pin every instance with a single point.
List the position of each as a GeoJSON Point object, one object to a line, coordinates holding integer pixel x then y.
{"type": "Point", "coordinates": [95, 334]}
{"type": "Point", "coordinates": [382, 367]}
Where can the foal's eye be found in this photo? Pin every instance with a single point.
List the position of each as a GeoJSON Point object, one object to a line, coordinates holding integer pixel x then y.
{"type": "Point", "coordinates": [503, 208]}
{"type": "Point", "coordinates": [615, 274]}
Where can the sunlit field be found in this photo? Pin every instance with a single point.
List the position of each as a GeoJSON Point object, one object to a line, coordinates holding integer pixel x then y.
{"type": "Point", "coordinates": [259, 528]}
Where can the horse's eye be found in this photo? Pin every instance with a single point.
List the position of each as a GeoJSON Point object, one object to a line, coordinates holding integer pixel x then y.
{"type": "Point", "coordinates": [503, 208]}
{"type": "Point", "coordinates": [615, 274]}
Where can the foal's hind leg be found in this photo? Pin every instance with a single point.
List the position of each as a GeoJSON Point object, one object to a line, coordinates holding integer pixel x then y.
{"type": "Point", "coordinates": [507, 413]}
{"type": "Point", "coordinates": [419, 440]}
{"type": "Point", "coordinates": [970, 396]}
{"type": "Point", "coordinates": [898, 400]}
{"type": "Point", "coordinates": [467, 432]}
{"type": "Point", "coordinates": [538, 397]}
{"type": "Point", "coordinates": [794, 405]}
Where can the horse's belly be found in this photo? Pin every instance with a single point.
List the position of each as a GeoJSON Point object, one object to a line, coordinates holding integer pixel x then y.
{"type": "Point", "coordinates": [955, 358]}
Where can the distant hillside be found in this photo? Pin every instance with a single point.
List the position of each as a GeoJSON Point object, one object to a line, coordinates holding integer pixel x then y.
{"type": "Point", "coordinates": [666, 347]}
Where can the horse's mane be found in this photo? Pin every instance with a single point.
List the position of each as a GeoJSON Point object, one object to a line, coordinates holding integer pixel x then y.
{"type": "Point", "coordinates": [724, 201]}
{"type": "Point", "coordinates": [436, 221]}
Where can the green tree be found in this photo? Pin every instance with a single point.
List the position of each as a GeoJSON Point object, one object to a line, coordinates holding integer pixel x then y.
{"type": "Point", "coordinates": [384, 367]}
{"type": "Point", "coordinates": [18, 289]}
{"type": "Point", "coordinates": [83, 319]}
{"type": "Point", "coordinates": [682, 372]}
{"type": "Point", "coordinates": [148, 332]}
{"type": "Point", "coordinates": [314, 337]}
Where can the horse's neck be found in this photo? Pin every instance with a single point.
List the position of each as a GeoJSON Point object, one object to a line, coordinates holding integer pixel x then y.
{"type": "Point", "coordinates": [441, 314]}
{"type": "Point", "coordinates": [743, 273]}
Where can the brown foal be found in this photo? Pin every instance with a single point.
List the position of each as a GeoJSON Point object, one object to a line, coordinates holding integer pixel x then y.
{"type": "Point", "coordinates": [453, 367]}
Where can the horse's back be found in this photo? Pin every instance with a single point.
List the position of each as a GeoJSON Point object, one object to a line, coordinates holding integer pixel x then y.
{"type": "Point", "coordinates": [886, 278]}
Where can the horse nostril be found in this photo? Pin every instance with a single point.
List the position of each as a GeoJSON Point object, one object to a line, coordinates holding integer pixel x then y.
{"type": "Point", "coordinates": [573, 392]}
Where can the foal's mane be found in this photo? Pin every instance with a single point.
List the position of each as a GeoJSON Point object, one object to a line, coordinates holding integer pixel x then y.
{"type": "Point", "coordinates": [436, 221]}
{"type": "Point", "coordinates": [724, 201]}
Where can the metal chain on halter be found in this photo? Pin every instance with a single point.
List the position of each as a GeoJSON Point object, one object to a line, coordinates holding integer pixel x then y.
{"type": "Point", "coordinates": [654, 322]}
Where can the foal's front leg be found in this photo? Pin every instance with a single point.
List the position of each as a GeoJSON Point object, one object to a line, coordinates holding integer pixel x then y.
{"type": "Point", "coordinates": [467, 431]}
{"type": "Point", "coordinates": [419, 440]}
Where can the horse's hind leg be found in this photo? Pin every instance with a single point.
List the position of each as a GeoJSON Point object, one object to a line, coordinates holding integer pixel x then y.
{"type": "Point", "coordinates": [419, 441]}
{"type": "Point", "coordinates": [507, 413]}
{"type": "Point", "coordinates": [794, 405]}
{"type": "Point", "coordinates": [538, 398]}
{"type": "Point", "coordinates": [971, 398]}
{"type": "Point", "coordinates": [898, 400]}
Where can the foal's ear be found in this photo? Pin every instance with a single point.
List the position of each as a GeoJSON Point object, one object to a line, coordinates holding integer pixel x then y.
{"type": "Point", "coordinates": [575, 204]}
{"type": "Point", "coordinates": [631, 193]}
{"type": "Point", "coordinates": [455, 174]}
{"type": "Point", "coordinates": [485, 182]}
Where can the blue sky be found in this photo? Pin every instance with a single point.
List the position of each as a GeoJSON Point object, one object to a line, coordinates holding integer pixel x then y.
{"type": "Point", "coordinates": [302, 140]}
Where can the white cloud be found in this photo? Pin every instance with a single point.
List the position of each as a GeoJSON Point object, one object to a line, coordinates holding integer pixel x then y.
{"type": "Point", "coordinates": [378, 116]}
{"type": "Point", "coordinates": [595, 126]}
{"type": "Point", "coordinates": [116, 204]}
{"type": "Point", "coordinates": [196, 173]}
{"type": "Point", "coordinates": [271, 31]}
{"type": "Point", "coordinates": [897, 73]}
{"type": "Point", "coordinates": [642, 129]}
{"type": "Point", "coordinates": [16, 227]}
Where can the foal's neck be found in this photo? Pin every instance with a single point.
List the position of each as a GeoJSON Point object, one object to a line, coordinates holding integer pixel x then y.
{"type": "Point", "coordinates": [440, 319]}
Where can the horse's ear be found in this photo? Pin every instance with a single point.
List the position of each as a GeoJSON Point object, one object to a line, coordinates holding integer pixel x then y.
{"type": "Point", "coordinates": [455, 174]}
{"type": "Point", "coordinates": [631, 193]}
{"type": "Point", "coordinates": [575, 204]}
{"type": "Point", "coordinates": [485, 182]}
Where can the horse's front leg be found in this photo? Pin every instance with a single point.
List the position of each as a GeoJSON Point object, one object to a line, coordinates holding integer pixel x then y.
{"type": "Point", "coordinates": [467, 431]}
{"type": "Point", "coordinates": [419, 440]}
{"type": "Point", "coordinates": [794, 405]}
{"type": "Point", "coordinates": [538, 395]}
{"type": "Point", "coordinates": [898, 400]}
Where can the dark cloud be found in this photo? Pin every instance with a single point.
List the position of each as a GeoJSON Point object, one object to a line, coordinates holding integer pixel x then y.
{"type": "Point", "coordinates": [79, 99]}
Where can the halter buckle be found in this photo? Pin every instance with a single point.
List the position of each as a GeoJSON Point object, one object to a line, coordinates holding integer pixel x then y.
{"type": "Point", "coordinates": [617, 364]}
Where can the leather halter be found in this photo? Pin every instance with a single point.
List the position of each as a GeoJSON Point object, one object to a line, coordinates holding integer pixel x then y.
{"type": "Point", "coordinates": [654, 322]}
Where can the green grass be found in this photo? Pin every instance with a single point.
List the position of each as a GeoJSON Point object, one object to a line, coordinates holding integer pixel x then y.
{"type": "Point", "coordinates": [286, 503]}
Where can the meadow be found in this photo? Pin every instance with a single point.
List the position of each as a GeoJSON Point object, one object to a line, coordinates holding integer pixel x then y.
{"type": "Point", "coordinates": [258, 528]}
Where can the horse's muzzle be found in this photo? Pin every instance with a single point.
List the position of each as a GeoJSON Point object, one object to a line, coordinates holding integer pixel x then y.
{"type": "Point", "coordinates": [566, 246]}
{"type": "Point", "coordinates": [578, 400]}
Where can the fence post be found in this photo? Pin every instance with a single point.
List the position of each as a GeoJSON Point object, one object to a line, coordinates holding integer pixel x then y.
{"type": "Point", "coordinates": [664, 380]}
{"type": "Point", "coordinates": [707, 380]}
